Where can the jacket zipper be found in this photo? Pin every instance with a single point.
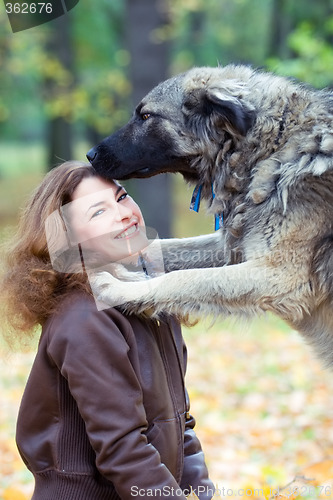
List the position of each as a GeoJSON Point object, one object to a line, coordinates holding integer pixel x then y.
{"type": "Point", "coordinates": [159, 337]}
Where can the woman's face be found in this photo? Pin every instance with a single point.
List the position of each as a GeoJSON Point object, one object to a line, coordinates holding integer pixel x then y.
{"type": "Point", "coordinates": [105, 220]}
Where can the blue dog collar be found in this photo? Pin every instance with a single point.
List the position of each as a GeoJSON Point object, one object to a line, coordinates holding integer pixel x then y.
{"type": "Point", "coordinates": [195, 205]}
{"type": "Point", "coordinates": [196, 197]}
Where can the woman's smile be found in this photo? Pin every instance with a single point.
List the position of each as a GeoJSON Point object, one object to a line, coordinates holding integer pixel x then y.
{"type": "Point", "coordinates": [128, 232]}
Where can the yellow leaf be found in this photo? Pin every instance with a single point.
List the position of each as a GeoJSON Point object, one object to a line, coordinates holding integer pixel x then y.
{"type": "Point", "coordinates": [314, 482]}
{"type": "Point", "coordinates": [13, 494]}
{"type": "Point", "coordinates": [251, 492]}
{"type": "Point", "coordinates": [319, 473]}
{"type": "Point", "coordinates": [192, 496]}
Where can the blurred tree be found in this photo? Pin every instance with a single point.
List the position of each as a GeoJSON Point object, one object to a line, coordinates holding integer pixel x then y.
{"type": "Point", "coordinates": [211, 32]}
{"type": "Point", "coordinates": [101, 61]}
{"type": "Point", "coordinates": [89, 85]}
{"type": "Point", "coordinates": [57, 86]}
{"type": "Point", "coordinates": [20, 61]}
{"type": "Point", "coordinates": [308, 47]}
{"type": "Point", "coordinates": [281, 26]}
{"type": "Point", "coordinates": [148, 66]}
{"type": "Point", "coordinates": [91, 88]}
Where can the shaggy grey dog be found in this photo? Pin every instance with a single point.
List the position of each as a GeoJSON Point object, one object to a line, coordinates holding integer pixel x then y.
{"type": "Point", "coordinates": [260, 149]}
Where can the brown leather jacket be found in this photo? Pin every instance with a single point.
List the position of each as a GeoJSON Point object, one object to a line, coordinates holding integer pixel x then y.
{"type": "Point", "coordinates": [105, 413]}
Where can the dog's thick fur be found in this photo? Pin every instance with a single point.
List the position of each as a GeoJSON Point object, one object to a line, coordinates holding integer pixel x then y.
{"type": "Point", "coordinates": [265, 143]}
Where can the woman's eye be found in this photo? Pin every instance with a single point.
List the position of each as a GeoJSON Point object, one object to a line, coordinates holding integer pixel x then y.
{"type": "Point", "coordinates": [145, 116]}
{"type": "Point", "coordinates": [99, 212]}
{"type": "Point", "coordinates": [122, 197]}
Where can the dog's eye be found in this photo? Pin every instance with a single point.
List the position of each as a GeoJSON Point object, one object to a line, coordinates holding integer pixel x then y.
{"type": "Point", "coordinates": [145, 116]}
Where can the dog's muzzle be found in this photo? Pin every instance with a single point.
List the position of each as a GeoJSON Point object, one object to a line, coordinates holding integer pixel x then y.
{"type": "Point", "coordinates": [92, 155]}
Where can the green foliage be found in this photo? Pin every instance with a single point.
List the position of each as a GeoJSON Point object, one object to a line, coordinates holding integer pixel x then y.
{"type": "Point", "coordinates": [95, 93]}
{"type": "Point", "coordinates": [102, 91]}
{"type": "Point", "coordinates": [36, 86]}
{"type": "Point", "coordinates": [313, 54]}
{"type": "Point", "coordinates": [20, 61]}
{"type": "Point", "coordinates": [211, 32]}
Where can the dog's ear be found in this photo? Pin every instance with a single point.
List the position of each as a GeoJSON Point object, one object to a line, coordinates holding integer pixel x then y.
{"type": "Point", "coordinates": [220, 111]}
{"type": "Point", "coordinates": [232, 111]}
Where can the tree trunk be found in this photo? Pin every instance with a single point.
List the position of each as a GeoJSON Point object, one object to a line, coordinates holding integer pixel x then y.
{"type": "Point", "coordinates": [60, 140]}
{"type": "Point", "coordinates": [149, 63]}
{"type": "Point", "coordinates": [281, 24]}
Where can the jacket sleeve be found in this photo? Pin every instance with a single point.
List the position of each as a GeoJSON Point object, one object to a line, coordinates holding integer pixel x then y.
{"type": "Point", "coordinates": [195, 473]}
{"type": "Point", "coordinates": [91, 350]}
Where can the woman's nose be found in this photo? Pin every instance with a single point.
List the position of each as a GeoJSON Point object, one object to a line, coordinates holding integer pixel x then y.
{"type": "Point", "coordinates": [123, 212]}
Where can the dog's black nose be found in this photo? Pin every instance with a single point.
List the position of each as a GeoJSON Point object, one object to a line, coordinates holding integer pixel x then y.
{"type": "Point", "coordinates": [91, 155]}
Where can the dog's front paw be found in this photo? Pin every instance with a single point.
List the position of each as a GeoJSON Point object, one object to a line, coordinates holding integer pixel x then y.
{"type": "Point", "coordinates": [122, 273]}
{"type": "Point", "coordinates": [109, 291]}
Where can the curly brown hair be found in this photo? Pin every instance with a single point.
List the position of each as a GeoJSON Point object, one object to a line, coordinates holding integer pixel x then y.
{"type": "Point", "coordinates": [30, 286]}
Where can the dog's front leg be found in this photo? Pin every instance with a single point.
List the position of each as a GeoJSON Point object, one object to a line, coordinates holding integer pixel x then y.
{"type": "Point", "coordinates": [246, 288]}
{"type": "Point", "coordinates": [192, 253]}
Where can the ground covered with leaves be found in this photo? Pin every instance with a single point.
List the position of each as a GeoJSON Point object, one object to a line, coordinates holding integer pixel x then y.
{"type": "Point", "coordinates": [263, 405]}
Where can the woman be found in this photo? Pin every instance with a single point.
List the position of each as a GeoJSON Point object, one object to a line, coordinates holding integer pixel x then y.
{"type": "Point", "coordinates": [104, 414]}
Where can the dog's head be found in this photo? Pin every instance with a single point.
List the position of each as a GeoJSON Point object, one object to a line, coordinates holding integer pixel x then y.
{"type": "Point", "coordinates": [184, 118]}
